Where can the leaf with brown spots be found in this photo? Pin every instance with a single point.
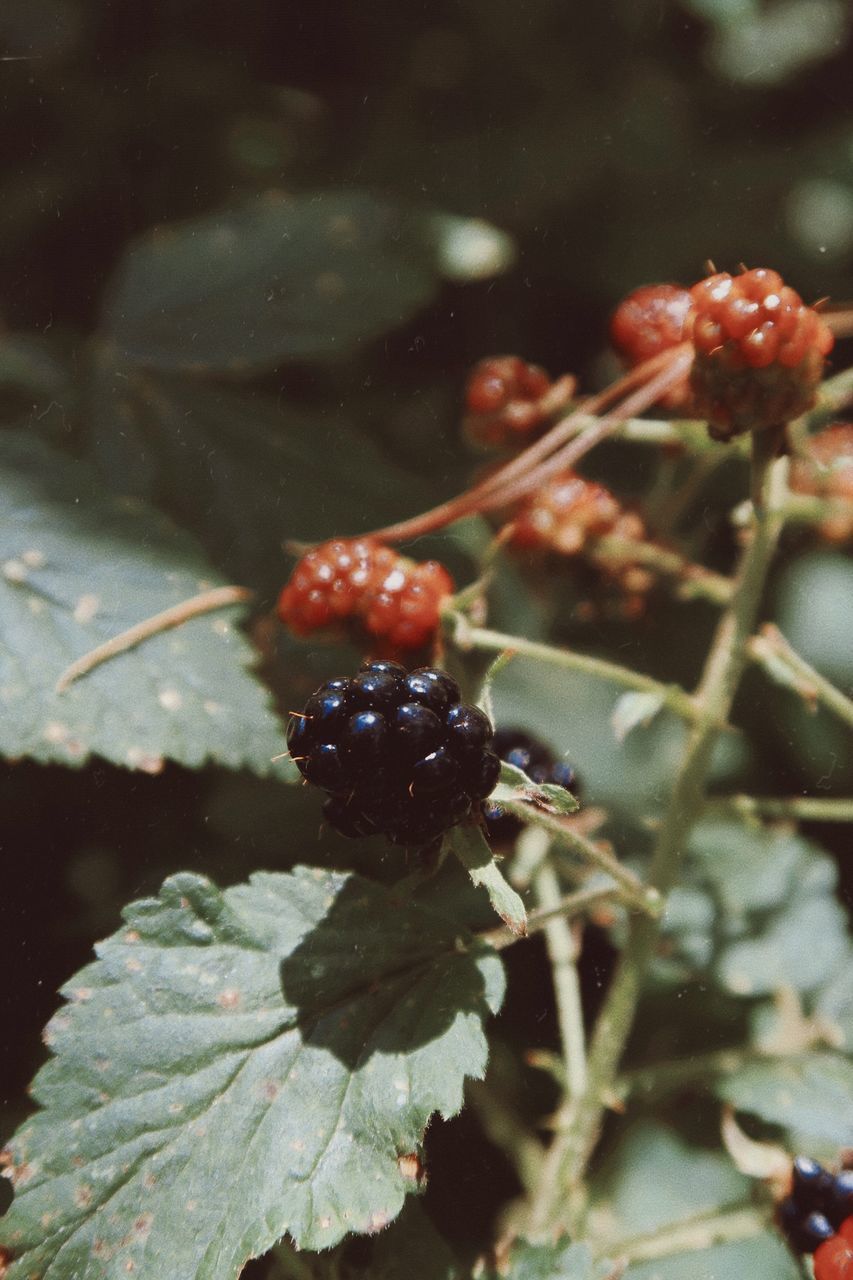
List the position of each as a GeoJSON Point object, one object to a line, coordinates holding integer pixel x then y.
{"type": "Point", "coordinates": [244, 1064]}
{"type": "Point", "coordinates": [78, 567]}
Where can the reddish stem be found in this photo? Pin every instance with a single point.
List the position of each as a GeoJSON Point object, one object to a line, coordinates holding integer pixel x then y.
{"type": "Point", "coordinates": [521, 475]}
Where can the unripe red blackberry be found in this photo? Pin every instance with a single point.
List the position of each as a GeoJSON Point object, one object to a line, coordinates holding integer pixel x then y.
{"type": "Point", "coordinates": [398, 753]}
{"type": "Point", "coordinates": [760, 352]}
{"type": "Point", "coordinates": [566, 512]}
{"type": "Point", "coordinates": [371, 589]}
{"type": "Point", "coordinates": [504, 401]}
{"type": "Point", "coordinates": [567, 515]}
{"type": "Point", "coordinates": [329, 582]}
{"type": "Point", "coordinates": [825, 470]}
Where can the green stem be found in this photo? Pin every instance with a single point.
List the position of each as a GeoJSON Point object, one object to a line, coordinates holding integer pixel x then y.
{"type": "Point", "coordinates": [573, 904]}
{"type": "Point", "coordinates": [693, 579]}
{"type": "Point", "coordinates": [783, 664]}
{"type": "Point", "coordinates": [727, 657]}
{"type": "Point", "coordinates": [562, 953]}
{"type": "Point", "coordinates": [689, 1237]}
{"type": "Point", "coordinates": [466, 636]}
{"type": "Point", "coordinates": [797, 808]}
{"type": "Point", "coordinates": [631, 887]}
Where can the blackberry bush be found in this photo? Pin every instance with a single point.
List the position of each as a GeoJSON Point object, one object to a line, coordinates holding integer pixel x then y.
{"type": "Point", "coordinates": [252, 1071]}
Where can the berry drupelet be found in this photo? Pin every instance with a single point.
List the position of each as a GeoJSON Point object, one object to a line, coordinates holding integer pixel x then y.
{"type": "Point", "coordinates": [519, 748]}
{"type": "Point", "coordinates": [398, 752]}
{"type": "Point", "coordinates": [759, 352]}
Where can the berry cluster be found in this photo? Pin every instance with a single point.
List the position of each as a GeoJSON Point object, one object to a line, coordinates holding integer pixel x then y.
{"type": "Point", "coordinates": [363, 583]}
{"type": "Point", "coordinates": [519, 748]}
{"type": "Point", "coordinates": [817, 1217]}
{"type": "Point", "coordinates": [759, 350]}
{"type": "Point", "coordinates": [398, 752]}
{"type": "Point", "coordinates": [825, 470]}
{"type": "Point", "coordinates": [568, 515]}
{"type": "Point", "coordinates": [507, 399]}
{"type": "Point", "coordinates": [649, 321]}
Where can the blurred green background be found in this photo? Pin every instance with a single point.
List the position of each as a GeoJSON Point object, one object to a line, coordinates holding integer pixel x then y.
{"type": "Point", "coordinates": [511, 169]}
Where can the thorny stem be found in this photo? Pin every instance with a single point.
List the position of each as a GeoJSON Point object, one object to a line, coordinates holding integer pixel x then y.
{"type": "Point", "coordinates": [568, 1154]}
{"type": "Point", "coordinates": [782, 663]}
{"type": "Point", "coordinates": [466, 636]}
{"type": "Point", "coordinates": [551, 453]}
{"type": "Point", "coordinates": [795, 808]}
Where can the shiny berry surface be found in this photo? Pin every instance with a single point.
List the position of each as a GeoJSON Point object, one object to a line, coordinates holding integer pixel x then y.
{"type": "Point", "coordinates": [505, 401]}
{"type": "Point", "coordinates": [650, 320]}
{"type": "Point", "coordinates": [760, 351]}
{"type": "Point", "coordinates": [398, 752]}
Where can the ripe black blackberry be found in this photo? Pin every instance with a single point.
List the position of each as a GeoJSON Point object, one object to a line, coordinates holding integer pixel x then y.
{"type": "Point", "coordinates": [398, 752]}
{"type": "Point", "coordinates": [518, 747]}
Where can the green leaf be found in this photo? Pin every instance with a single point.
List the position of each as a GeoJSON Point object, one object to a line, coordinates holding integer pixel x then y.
{"type": "Point", "coordinates": [412, 1242]}
{"type": "Point", "coordinates": [654, 1179]}
{"type": "Point", "coordinates": [240, 1064]}
{"type": "Point", "coordinates": [277, 279]}
{"type": "Point", "coordinates": [761, 1257]}
{"type": "Point", "coordinates": [675, 1210]}
{"type": "Point", "coordinates": [561, 1261]}
{"type": "Point", "coordinates": [810, 1095]}
{"type": "Point", "coordinates": [243, 470]}
{"type": "Point", "coordinates": [79, 568]}
{"type": "Point", "coordinates": [472, 849]}
{"type": "Point", "coordinates": [757, 908]}
{"type": "Point", "coordinates": [634, 710]}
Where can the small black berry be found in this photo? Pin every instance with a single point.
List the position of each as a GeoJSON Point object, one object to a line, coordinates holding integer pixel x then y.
{"type": "Point", "coordinates": [811, 1184]}
{"type": "Point", "coordinates": [385, 665]}
{"type": "Point", "coordinates": [347, 819]}
{"type": "Point", "coordinates": [483, 776]}
{"type": "Point", "coordinates": [324, 710]}
{"type": "Point", "coordinates": [325, 768]}
{"type": "Point", "coordinates": [362, 742]}
{"type": "Point", "coordinates": [374, 689]}
{"type": "Point", "coordinates": [840, 1205]}
{"type": "Point", "coordinates": [435, 689]}
{"type": "Point", "coordinates": [436, 772]}
{"type": "Point", "coordinates": [417, 730]}
{"type": "Point", "coordinates": [468, 728]}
